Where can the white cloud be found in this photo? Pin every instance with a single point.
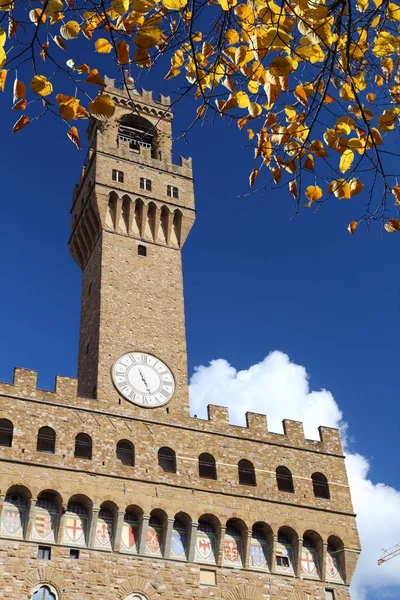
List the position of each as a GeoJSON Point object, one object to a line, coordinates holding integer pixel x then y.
{"type": "Point", "coordinates": [280, 389]}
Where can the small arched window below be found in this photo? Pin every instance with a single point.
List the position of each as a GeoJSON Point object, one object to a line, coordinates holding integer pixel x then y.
{"type": "Point", "coordinates": [247, 475]}
{"type": "Point", "coordinates": [320, 486]}
{"type": "Point", "coordinates": [6, 432]}
{"type": "Point", "coordinates": [46, 440]}
{"type": "Point", "coordinates": [44, 593]}
{"type": "Point", "coordinates": [126, 453]}
{"type": "Point", "coordinates": [83, 446]}
{"type": "Point", "coordinates": [167, 460]}
{"type": "Point", "coordinates": [207, 467]}
{"type": "Point", "coordinates": [284, 480]}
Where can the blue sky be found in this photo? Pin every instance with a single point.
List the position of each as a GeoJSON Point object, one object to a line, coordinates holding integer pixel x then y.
{"type": "Point", "coordinates": [255, 279]}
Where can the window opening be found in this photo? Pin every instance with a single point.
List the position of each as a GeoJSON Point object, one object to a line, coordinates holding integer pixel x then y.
{"type": "Point", "coordinates": [247, 475]}
{"type": "Point", "coordinates": [172, 191]}
{"type": "Point", "coordinates": [284, 480]}
{"type": "Point", "coordinates": [167, 460]}
{"type": "Point", "coordinates": [74, 553]}
{"type": "Point", "coordinates": [6, 432]}
{"type": "Point", "coordinates": [126, 453]}
{"type": "Point", "coordinates": [142, 250]}
{"type": "Point", "coordinates": [320, 486]}
{"type": "Point", "coordinates": [145, 184]}
{"type": "Point", "coordinates": [83, 446]}
{"type": "Point", "coordinates": [44, 552]}
{"type": "Point", "coordinates": [44, 593]}
{"type": "Point", "coordinates": [207, 468]}
{"type": "Point", "coordinates": [117, 176]}
{"type": "Point", "coordinates": [46, 440]}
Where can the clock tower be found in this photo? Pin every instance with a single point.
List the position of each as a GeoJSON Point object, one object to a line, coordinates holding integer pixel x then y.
{"type": "Point", "coordinates": [132, 211]}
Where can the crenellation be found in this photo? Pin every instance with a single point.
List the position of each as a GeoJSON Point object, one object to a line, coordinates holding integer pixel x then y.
{"type": "Point", "coordinates": [256, 423]}
{"type": "Point", "coordinates": [330, 439]}
{"type": "Point", "coordinates": [25, 381]}
{"type": "Point", "coordinates": [218, 414]}
{"type": "Point", "coordinates": [294, 431]}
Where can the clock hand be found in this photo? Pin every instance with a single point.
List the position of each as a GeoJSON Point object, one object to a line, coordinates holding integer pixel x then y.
{"type": "Point", "coordinates": [144, 381]}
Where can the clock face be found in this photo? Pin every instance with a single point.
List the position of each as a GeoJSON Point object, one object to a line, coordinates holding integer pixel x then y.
{"type": "Point", "coordinates": [143, 379]}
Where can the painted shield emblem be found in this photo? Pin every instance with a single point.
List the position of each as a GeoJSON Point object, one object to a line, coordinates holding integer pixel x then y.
{"type": "Point", "coordinates": [204, 548]}
{"type": "Point", "coordinates": [129, 537]}
{"type": "Point", "coordinates": [332, 570]}
{"type": "Point", "coordinates": [257, 555]}
{"type": "Point", "coordinates": [153, 541]}
{"type": "Point", "coordinates": [231, 551]}
{"type": "Point", "coordinates": [74, 531]}
{"type": "Point", "coordinates": [178, 544]}
{"type": "Point", "coordinates": [12, 521]}
{"type": "Point", "coordinates": [43, 524]}
{"type": "Point", "coordinates": [308, 565]}
{"type": "Point", "coordinates": [103, 534]}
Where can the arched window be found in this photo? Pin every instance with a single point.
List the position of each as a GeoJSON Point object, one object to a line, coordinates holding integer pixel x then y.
{"type": "Point", "coordinates": [76, 523]}
{"type": "Point", "coordinates": [167, 460]}
{"type": "Point", "coordinates": [44, 593]}
{"type": "Point", "coordinates": [46, 440]}
{"type": "Point", "coordinates": [207, 468]}
{"type": "Point", "coordinates": [13, 516]}
{"type": "Point", "coordinates": [233, 546]}
{"type": "Point", "coordinates": [335, 560]}
{"type": "Point", "coordinates": [284, 480]}
{"type": "Point", "coordinates": [130, 531]}
{"type": "Point", "coordinates": [6, 432]}
{"type": "Point", "coordinates": [284, 553]}
{"type": "Point", "coordinates": [206, 541]}
{"type": "Point", "coordinates": [247, 475]}
{"type": "Point", "coordinates": [83, 446]}
{"type": "Point", "coordinates": [261, 537]}
{"type": "Point", "coordinates": [105, 526]}
{"type": "Point", "coordinates": [126, 453]}
{"type": "Point", "coordinates": [137, 132]}
{"type": "Point", "coordinates": [309, 557]}
{"type": "Point", "coordinates": [45, 525]}
{"type": "Point", "coordinates": [155, 534]}
{"type": "Point", "coordinates": [320, 486]}
{"type": "Point", "coordinates": [179, 540]}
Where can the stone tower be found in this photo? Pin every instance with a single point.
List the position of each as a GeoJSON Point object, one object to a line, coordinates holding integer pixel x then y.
{"type": "Point", "coordinates": [108, 488]}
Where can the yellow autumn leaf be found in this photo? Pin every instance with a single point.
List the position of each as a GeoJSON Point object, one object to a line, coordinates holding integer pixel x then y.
{"type": "Point", "coordinates": [346, 93]}
{"type": "Point", "coordinates": [255, 109]}
{"type": "Point", "coordinates": [227, 4]}
{"type": "Point", "coordinates": [396, 194]}
{"type": "Point", "coordinates": [22, 122]}
{"type": "Point", "coordinates": [123, 52]}
{"type": "Point", "coordinates": [54, 7]}
{"type": "Point", "coordinates": [94, 78]}
{"type": "Point", "coordinates": [102, 107]}
{"type": "Point", "coordinates": [242, 99]}
{"type": "Point", "coordinates": [41, 85]}
{"type": "Point", "coordinates": [356, 186]}
{"type": "Point", "coordinates": [174, 4]}
{"type": "Point", "coordinates": [309, 163]}
{"type": "Point", "coordinates": [102, 46]}
{"type": "Point", "coordinates": [6, 5]}
{"type": "Point", "coordinates": [120, 6]}
{"type": "Point", "coordinates": [282, 65]}
{"type": "Point", "coordinates": [387, 120]}
{"type": "Point", "coordinates": [392, 225]}
{"type": "Point", "coordinates": [384, 44]}
{"type": "Point", "coordinates": [340, 188]}
{"type": "Point", "coordinates": [250, 133]}
{"type": "Point", "coordinates": [3, 77]}
{"type": "Point", "coordinates": [311, 53]}
{"type": "Point", "coordinates": [301, 94]}
{"type": "Point", "coordinates": [393, 12]}
{"type": "Point", "coordinates": [37, 15]}
{"type": "Point", "coordinates": [346, 160]}
{"type": "Point", "coordinates": [68, 106]}
{"type": "Point", "coordinates": [293, 188]}
{"type": "Point", "coordinates": [253, 176]}
{"type": "Point", "coordinates": [352, 226]}
{"type": "Point", "coordinates": [3, 37]}
{"type": "Point", "coordinates": [3, 57]}
{"type": "Point", "coordinates": [70, 30]}
{"type": "Point", "coordinates": [148, 37]}
{"type": "Point", "coordinates": [74, 137]}
{"type": "Point", "coordinates": [232, 36]}
{"type": "Point", "coordinates": [19, 90]}
{"type": "Point", "coordinates": [313, 193]}
{"type": "Point", "coordinates": [142, 58]}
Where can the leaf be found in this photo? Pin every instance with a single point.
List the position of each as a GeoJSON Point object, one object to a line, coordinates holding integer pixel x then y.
{"type": "Point", "coordinates": [3, 77]}
{"type": "Point", "coordinates": [44, 51]}
{"type": "Point", "coordinates": [340, 188]}
{"type": "Point", "coordinates": [317, 147]}
{"type": "Point", "coordinates": [12, 27]}
{"type": "Point", "coordinates": [83, 68]}
{"type": "Point", "coordinates": [356, 186]}
{"type": "Point", "coordinates": [59, 41]}
{"type": "Point", "coordinates": [293, 188]}
{"type": "Point", "coordinates": [396, 194]}
{"type": "Point", "coordinates": [242, 99]}
{"type": "Point", "coordinates": [41, 85]}
{"type": "Point", "coordinates": [70, 30]}
{"type": "Point", "coordinates": [346, 160]}
{"type": "Point", "coordinates": [120, 6]}
{"type": "Point", "coordinates": [3, 57]}
{"type": "Point", "coordinates": [254, 109]}
{"type": "Point", "coordinates": [301, 95]}
{"type": "Point", "coordinates": [250, 133]}
{"type": "Point", "coordinates": [95, 78]}
{"type": "Point", "coordinates": [19, 90]}
{"type": "Point", "coordinates": [232, 36]}
{"type": "Point", "coordinates": [22, 122]}
{"type": "Point", "coordinates": [309, 163]}
{"type": "Point", "coordinates": [387, 120]}
{"type": "Point", "coordinates": [142, 58]}
{"type": "Point", "coordinates": [392, 225]}
{"type": "Point", "coordinates": [123, 52]}
{"type": "Point", "coordinates": [36, 15]}
{"type": "Point", "coordinates": [74, 137]}
{"type": "Point", "coordinates": [3, 37]}
{"type": "Point", "coordinates": [282, 65]}
{"type": "Point", "coordinates": [352, 226]}
{"type": "Point", "coordinates": [313, 193]}
{"type": "Point", "coordinates": [68, 106]}
{"type": "Point", "coordinates": [102, 46]}
{"type": "Point", "coordinates": [102, 107]}
{"type": "Point", "coordinates": [20, 105]}
{"type": "Point", "coordinates": [253, 176]}
{"type": "Point", "coordinates": [174, 4]}
{"type": "Point", "coordinates": [148, 37]}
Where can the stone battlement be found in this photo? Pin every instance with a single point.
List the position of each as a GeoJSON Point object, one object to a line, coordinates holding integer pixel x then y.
{"type": "Point", "coordinates": [24, 386]}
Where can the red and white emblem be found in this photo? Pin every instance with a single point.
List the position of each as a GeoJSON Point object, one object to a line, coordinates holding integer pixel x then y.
{"type": "Point", "coordinates": [308, 565]}
{"type": "Point", "coordinates": [43, 524]}
{"type": "Point", "coordinates": [153, 541]}
{"type": "Point", "coordinates": [74, 531]}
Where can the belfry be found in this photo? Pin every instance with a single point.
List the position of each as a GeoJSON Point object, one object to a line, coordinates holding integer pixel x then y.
{"type": "Point", "coordinates": [108, 488]}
